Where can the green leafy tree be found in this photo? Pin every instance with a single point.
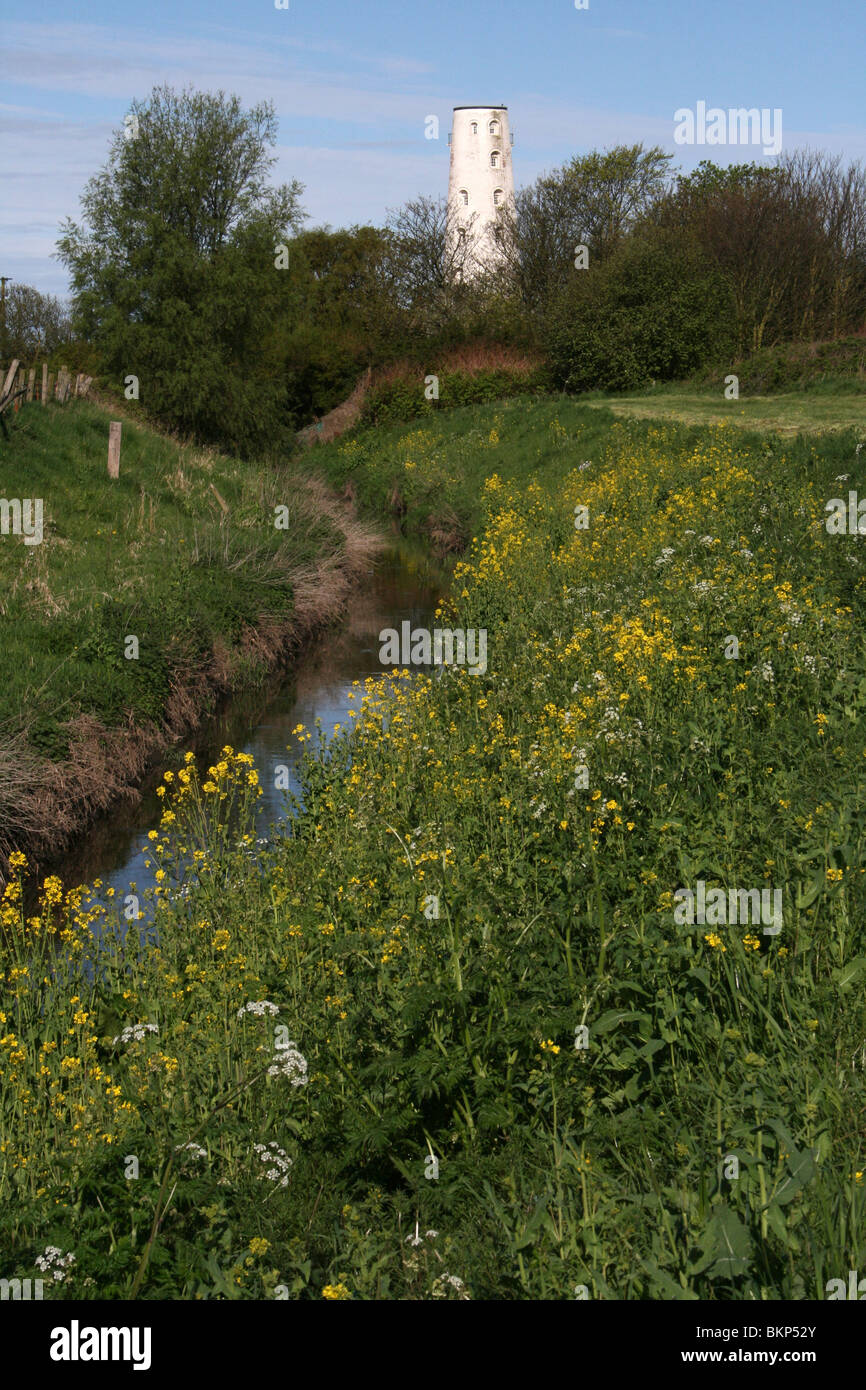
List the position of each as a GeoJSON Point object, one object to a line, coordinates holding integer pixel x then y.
{"type": "Point", "coordinates": [174, 267]}
{"type": "Point", "coordinates": [594, 200]}
{"type": "Point", "coordinates": [657, 310]}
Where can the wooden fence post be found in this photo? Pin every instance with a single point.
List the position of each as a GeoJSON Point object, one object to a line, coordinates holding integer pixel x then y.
{"type": "Point", "coordinates": [51, 385]}
{"type": "Point", "coordinates": [114, 449]}
{"type": "Point", "coordinates": [31, 383]}
{"type": "Point", "coordinates": [222, 501]}
{"type": "Point", "coordinates": [10, 377]}
{"type": "Point", "coordinates": [44, 382]}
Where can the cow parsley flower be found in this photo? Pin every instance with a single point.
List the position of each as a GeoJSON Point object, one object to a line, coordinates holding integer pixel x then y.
{"type": "Point", "coordinates": [192, 1149]}
{"type": "Point", "coordinates": [290, 1064]}
{"type": "Point", "coordinates": [136, 1032]}
{"type": "Point", "coordinates": [258, 1007]}
{"type": "Point", "coordinates": [55, 1263]}
{"type": "Point", "coordinates": [276, 1162]}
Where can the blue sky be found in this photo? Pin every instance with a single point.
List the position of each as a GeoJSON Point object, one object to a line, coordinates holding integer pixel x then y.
{"type": "Point", "coordinates": [353, 83]}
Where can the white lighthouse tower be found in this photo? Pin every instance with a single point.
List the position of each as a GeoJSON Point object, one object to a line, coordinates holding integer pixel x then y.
{"type": "Point", "coordinates": [480, 182]}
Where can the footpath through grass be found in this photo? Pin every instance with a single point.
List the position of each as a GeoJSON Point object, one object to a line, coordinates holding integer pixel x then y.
{"type": "Point", "coordinates": [456, 1038]}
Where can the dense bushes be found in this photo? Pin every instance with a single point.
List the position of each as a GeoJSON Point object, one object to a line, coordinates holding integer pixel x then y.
{"type": "Point", "coordinates": [655, 310]}
{"type": "Point", "coordinates": [403, 397]}
{"type": "Point", "coordinates": [831, 366]}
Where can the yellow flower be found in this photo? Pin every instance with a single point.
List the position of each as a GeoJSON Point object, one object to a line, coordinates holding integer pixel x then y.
{"type": "Point", "coordinates": [336, 1291]}
{"type": "Point", "coordinates": [259, 1246]}
{"type": "Point", "coordinates": [715, 941]}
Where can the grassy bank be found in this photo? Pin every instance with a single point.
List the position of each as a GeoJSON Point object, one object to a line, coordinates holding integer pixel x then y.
{"type": "Point", "coordinates": [146, 598]}
{"type": "Point", "coordinates": [451, 1039]}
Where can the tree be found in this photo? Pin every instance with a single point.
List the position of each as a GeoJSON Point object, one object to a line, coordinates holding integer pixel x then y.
{"type": "Point", "coordinates": [594, 200]}
{"type": "Point", "coordinates": [656, 309]}
{"type": "Point", "coordinates": [432, 270]}
{"type": "Point", "coordinates": [789, 240]}
{"type": "Point", "coordinates": [174, 268]}
{"type": "Point", "coordinates": [36, 324]}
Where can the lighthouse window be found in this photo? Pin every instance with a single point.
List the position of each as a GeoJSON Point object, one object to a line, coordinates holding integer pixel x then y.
{"type": "Point", "coordinates": [494, 160]}
{"type": "Point", "coordinates": [464, 197]}
{"type": "Point", "coordinates": [474, 127]}
{"type": "Point", "coordinates": [497, 196]}
{"type": "Point", "coordinates": [494, 127]}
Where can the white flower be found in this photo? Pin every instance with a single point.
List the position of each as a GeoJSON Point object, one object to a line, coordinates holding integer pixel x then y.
{"type": "Point", "coordinates": [708, 541]}
{"type": "Point", "coordinates": [194, 1150]}
{"type": "Point", "coordinates": [290, 1064]}
{"type": "Point", "coordinates": [54, 1262]}
{"type": "Point", "coordinates": [278, 1159]}
{"type": "Point", "coordinates": [135, 1032]}
{"type": "Point", "coordinates": [258, 1007]}
{"type": "Point", "coordinates": [666, 555]}
{"type": "Point", "coordinates": [767, 671]}
{"type": "Point", "coordinates": [842, 477]}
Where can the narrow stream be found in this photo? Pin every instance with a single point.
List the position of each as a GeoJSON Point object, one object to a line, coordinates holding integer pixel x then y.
{"type": "Point", "coordinates": [406, 584]}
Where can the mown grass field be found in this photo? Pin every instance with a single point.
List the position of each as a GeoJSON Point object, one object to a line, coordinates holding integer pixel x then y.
{"type": "Point", "coordinates": [790, 414]}
{"type": "Point", "coordinates": [450, 1040]}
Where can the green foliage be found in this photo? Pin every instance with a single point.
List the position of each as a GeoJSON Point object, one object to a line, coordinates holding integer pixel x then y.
{"type": "Point", "coordinates": [707, 1144]}
{"type": "Point", "coordinates": [174, 268]}
{"type": "Point", "coordinates": [403, 397]}
{"type": "Point", "coordinates": [656, 310]}
{"type": "Point", "coordinates": [151, 555]}
{"type": "Point", "coordinates": [834, 367]}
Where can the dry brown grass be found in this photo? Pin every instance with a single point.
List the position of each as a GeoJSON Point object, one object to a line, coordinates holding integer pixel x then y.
{"type": "Point", "coordinates": [468, 358]}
